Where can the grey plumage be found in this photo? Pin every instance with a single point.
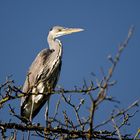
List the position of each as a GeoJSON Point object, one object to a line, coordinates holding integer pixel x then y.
{"type": "Point", "coordinates": [43, 74]}
{"type": "Point", "coordinates": [39, 73]}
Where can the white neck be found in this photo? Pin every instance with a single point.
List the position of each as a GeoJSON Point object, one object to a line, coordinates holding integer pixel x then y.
{"type": "Point", "coordinates": [55, 45]}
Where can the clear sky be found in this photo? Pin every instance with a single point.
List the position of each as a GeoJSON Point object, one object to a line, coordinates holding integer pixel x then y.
{"type": "Point", "coordinates": [24, 26]}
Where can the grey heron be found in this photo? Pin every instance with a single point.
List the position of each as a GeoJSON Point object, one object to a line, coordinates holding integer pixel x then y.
{"type": "Point", "coordinates": [43, 73]}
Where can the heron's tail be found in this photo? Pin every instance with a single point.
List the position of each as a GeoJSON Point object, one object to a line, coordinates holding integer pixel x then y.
{"type": "Point", "coordinates": [32, 105]}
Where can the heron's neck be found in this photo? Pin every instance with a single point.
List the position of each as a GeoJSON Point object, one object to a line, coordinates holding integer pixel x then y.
{"type": "Point", "coordinates": [55, 45]}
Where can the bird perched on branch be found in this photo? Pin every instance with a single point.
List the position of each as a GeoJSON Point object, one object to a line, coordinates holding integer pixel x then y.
{"type": "Point", "coordinates": [43, 73]}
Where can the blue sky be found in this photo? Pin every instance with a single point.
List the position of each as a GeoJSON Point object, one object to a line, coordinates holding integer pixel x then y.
{"type": "Point", "coordinates": [24, 26]}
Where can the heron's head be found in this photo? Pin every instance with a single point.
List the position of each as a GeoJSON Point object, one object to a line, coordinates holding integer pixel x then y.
{"type": "Point", "coordinates": [58, 31]}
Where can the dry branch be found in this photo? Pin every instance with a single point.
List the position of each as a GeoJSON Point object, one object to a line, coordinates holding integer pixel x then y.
{"type": "Point", "coordinates": [69, 129]}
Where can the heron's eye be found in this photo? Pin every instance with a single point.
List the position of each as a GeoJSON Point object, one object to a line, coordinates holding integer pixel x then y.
{"type": "Point", "coordinates": [59, 30]}
{"type": "Point", "coordinates": [51, 29]}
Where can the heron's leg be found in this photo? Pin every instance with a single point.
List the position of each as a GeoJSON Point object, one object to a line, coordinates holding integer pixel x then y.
{"type": "Point", "coordinates": [47, 113]}
{"type": "Point", "coordinates": [31, 114]}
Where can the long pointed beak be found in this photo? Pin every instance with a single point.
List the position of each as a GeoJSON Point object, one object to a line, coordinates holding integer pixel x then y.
{"type": "Point", "coordinates": [67, 31]}
{"type": "Point", "coordinates": [72, 30]}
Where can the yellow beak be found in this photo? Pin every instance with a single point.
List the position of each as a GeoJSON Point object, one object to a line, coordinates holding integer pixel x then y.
{"type": "Point", "coordinates": [67, 31]}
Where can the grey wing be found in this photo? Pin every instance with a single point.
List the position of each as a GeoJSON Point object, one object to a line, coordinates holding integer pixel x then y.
{"type": "Point", "coordinates": [35, 71]}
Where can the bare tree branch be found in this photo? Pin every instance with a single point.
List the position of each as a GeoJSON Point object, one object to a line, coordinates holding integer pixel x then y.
{"type": "Point", "coordinates": [83, 127]}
